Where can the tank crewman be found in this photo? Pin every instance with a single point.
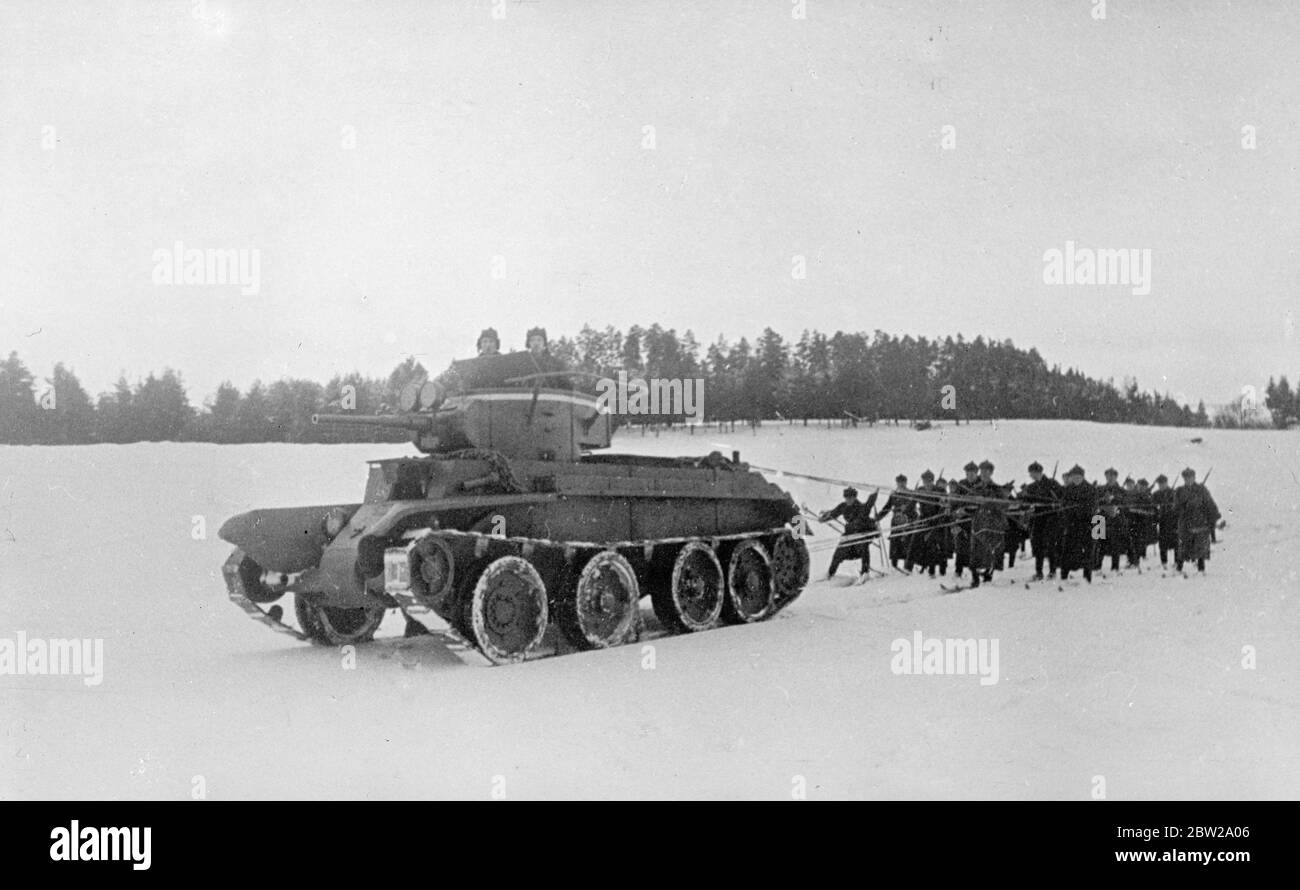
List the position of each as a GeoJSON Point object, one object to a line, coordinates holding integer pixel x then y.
{"type": "Point", "coordinates": [1110, 503]}
{"type": "Point", "coordinates": [1079, 505]}
{"type": "Point", "coordinates": [539, 347]}
{"type": "Point", "coordinates": [1141, 522]}
{"type": "Point", "coordinates": [929, 550]}
{"type": "Point", "coordinates": [491, 369]}
{"type": "Point", "coordinates": [1197, 517]}
{"type": "Point", "coordinates": [1166, 520]}
{"type": "Point", "coordinates": [1044, 496]}
{"type": "Point", "coordinates": [963, 512]}
{"type": "Point", "coordinates": [488, 342]}
{"type": "Point", "coordinates": [988, 525]}
{"type": "Point", "coordinates": [902, 505]}
{"type": "Point", "coordinates": [857, 522]}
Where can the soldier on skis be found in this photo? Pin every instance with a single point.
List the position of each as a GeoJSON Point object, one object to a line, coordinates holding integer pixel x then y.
{"type": "Point", "coordinates": [903, 505]}
{"type": "Point", "coordinates": [1141, 520]}
{"type": "Point", "coordinates": [857, 524]}
{"type": "Point", "coordinates": [1166, 520]}
{"type": "Point", "coordinates": [1044, 494]}
{"type": "Point", "coordinates": [1110, 505]}
{"type": "Point", "coordinates": [1079, 504]}
{"type": "Point", "coordinates": [1197, 517]}
{"type": "Point", "coordinates": [987, 526]}
{"type": "Point", "coordinates": [963, 513]}
{"type": "Point", "coordinates": [929, 547]}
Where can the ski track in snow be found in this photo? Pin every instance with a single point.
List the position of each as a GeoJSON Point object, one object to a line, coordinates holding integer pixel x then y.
{"type": "Point", "coordinates": [1137, 678]}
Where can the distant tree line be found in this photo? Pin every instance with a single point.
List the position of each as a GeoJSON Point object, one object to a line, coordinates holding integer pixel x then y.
{"type": "Point", "coordinates": [873, 377]}
{"type": "Point", "coordinates": [857, 376]}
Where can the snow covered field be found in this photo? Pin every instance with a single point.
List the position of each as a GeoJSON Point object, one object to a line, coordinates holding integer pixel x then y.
{"type": "Point", "coordinates": [1138, 679]}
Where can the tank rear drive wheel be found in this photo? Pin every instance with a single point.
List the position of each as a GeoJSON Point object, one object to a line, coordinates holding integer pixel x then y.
{"type": "Point", "coordinates": [750, 590]}
{"type": "Point", "coordinates": [508, 612]}
{"type": "Point", "coordinates": [789, 567]}
{"type": "Point", "coordinates": [600, 610]}
{"type": "Point", "coordinates": [692, 600]}
{"type": "Point", "coordinates": [433, 572]}
{"type": "Point", "coordinates": [334, 626]}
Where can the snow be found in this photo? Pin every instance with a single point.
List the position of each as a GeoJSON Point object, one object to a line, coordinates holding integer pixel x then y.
{"type": "Point", "coordinates": [1138, 679]}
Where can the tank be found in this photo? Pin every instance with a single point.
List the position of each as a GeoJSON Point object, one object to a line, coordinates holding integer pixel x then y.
{"type": "Point", "coordinates": [511, 521]}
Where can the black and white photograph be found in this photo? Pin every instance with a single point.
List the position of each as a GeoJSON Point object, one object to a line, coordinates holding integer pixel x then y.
{"type": "Point", "coordinates": [556, 400]}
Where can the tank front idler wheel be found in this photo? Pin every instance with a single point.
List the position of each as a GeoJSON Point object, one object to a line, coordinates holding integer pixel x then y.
{"type": "Point", "coordinates": [750, 590]}
{"type": "Point", "coordinates": [508, 612]}
{"type": "Point", "coordinates": [693, 599]}
{"type": "Point", "coordinates": [334, 626]}
{"type": "Point", "coordinates": [601, 610]}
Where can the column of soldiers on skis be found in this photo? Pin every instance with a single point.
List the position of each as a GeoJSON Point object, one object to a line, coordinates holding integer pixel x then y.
{"type": "Point", "coordinates": [1075, 526]}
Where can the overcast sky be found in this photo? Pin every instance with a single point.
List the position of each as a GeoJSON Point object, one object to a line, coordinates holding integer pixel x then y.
{"type": "Point", "coordinates": [380, 155]}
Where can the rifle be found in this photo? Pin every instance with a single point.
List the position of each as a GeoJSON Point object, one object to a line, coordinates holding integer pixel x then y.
{"type": "Point", "coordinates": [1054, 466]}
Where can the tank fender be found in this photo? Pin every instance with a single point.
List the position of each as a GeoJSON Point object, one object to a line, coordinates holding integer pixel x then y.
{"type": "Point", "coordinates": [288, 539]}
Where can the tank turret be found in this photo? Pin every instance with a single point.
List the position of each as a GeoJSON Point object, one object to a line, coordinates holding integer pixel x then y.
{"type": "Point", "coordinates": [531, 424]}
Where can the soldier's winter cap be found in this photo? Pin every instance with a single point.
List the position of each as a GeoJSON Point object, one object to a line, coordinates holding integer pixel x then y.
{"type": "Point", "coordinates": [900, 478]}
{"type": "Point", "coordinates": [1128, 480]}
{"type": "Point", "coordinates": [850, 492]}
{"type": "Point", "coordinates": [1162, 478]}
{"type": "Point", "coordinates": [1188, 473]}
{"type": "Point", "coordinates": [1076, 470]}
{"type": "Point", "coordinates": [1143, 483]}
{"type": "Point", "coordinates": [971, 466]}
{"type": "Point", "coordinates": [986, 465]}
{"type": "Point", "coordinates": [1113, 472]}
{"type": "Point", "coordinates": [1035, 467]}
{"type": "Point", "coordinates": [536, 332]}
{"type": "Point", "coordinates": [927, 475]}
{"type": "Point", "coordinates": [489, 334]}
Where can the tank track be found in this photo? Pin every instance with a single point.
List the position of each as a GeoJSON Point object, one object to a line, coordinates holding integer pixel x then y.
{"type": "Point", "coordinates": [239, 596]}
{"type": "Point", "coordinates": [272, 618]}
{"type": "Point", "coordinates": [466, 649]}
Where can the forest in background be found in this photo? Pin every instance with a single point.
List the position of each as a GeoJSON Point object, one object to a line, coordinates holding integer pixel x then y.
{"type": "Point", "coordinates": [858, 376]}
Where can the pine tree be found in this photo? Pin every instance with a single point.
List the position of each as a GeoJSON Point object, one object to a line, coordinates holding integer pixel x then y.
{"type": "Point", "coordinates": [18, 411]}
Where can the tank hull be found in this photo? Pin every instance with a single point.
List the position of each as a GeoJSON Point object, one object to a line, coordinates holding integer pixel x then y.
{"type": "Point", "coordinates": [548, 517]}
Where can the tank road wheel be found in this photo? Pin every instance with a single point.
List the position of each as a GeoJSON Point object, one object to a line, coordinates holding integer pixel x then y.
{"type": "Point", "coordinates": [750, 590]}
{"type": "Point", "coordinates": [508, 612]}
{"type": "Point", "coordinates": [334, 626]}
{"type": "Point", "coordinates": [789, 568]}
{"type": "Point", "coordinates": [693, 599]}
{"type": "Point", "coordinates": [433, 572]}
{"type": "Point", "coordinates": [600, 610]}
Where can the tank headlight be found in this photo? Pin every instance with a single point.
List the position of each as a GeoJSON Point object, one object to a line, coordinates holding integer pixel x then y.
{"type": "Point", "coordinates": [335, 521]}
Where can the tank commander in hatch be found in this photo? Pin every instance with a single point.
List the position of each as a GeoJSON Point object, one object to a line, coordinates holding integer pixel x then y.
{"type": "Point", "coordinates": [488, 343]}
